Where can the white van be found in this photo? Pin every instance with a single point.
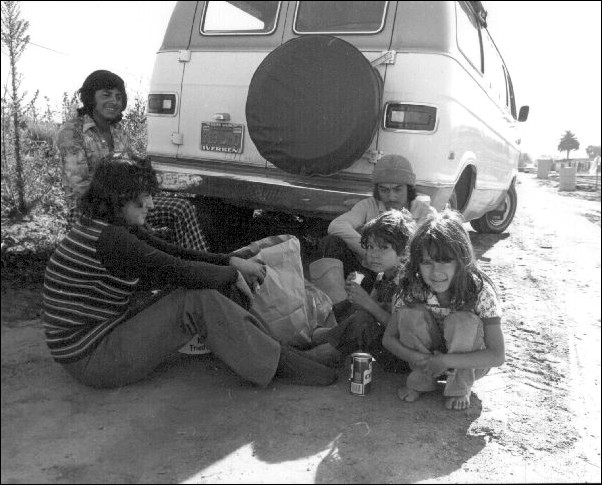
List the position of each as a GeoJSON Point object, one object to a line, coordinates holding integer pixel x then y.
{"type": "Point", "coordinates": [288, 105]}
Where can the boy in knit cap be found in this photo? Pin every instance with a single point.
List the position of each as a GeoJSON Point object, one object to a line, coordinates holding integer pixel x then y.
{"type": "Point", "coordinates": [394, 181]}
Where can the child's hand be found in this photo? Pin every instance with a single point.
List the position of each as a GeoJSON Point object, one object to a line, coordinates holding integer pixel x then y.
{"type": "Point", "coordinates": [357, 295]}
{"type": "Point", "coordinates": [433, 365]}
{"type": "Point", "coordinates": [421, 208]}
{"type": "Point", "coordinates": [355, 277]}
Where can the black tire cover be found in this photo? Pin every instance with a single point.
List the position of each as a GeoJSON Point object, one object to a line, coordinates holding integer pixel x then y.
{"type": "Point", "coordinates": [314, 105]}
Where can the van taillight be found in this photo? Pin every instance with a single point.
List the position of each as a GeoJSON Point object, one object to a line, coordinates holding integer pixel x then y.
{"type": "Point", "coordinates": [162, 104]}
{"type": "Point", "coordinates": [410, 117]}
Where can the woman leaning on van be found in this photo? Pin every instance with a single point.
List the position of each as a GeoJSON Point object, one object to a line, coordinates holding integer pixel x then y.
{"type": "Point", "coordinates": [96, 133]}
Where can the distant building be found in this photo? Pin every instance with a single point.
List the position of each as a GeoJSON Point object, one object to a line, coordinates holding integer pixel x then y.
{"type": "Point", "coordinates": [582, 164]}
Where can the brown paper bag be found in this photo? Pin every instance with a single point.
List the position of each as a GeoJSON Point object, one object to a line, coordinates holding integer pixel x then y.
{"type": "Point", "coordinates": [281, 298]}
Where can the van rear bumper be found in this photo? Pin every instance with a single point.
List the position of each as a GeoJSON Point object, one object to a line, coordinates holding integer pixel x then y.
{"type": "Point", "coordinates": [262, 187]}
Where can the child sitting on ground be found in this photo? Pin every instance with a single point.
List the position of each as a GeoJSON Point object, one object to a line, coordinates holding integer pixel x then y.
{"type": "Point", "coordinates": [363, 317]}
{"type": "Point", "coordinates": [447, 316]}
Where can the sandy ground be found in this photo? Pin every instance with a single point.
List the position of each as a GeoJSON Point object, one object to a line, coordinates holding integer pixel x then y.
{"type": "Point", "coordinates": [535, 419]}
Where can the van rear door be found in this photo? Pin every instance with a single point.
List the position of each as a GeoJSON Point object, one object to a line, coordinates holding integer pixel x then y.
{"type": "Point", "coordinates": [168, 72]}
{"type": "Point", "coordinates": [228, 41]}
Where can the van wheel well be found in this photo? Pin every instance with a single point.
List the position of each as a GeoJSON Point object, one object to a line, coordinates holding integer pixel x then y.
{"type": "Point", "coordinates": [463, 189]}
{"type": "Point", "coordinates": [498, 220]}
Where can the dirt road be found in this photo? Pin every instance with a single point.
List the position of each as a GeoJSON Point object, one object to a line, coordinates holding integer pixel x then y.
{"type": "Point", "coordinates": [535, 419]}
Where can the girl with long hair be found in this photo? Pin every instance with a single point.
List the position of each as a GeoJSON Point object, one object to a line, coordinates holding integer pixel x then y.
{"type": "Point", "coordinates": [447, 316]}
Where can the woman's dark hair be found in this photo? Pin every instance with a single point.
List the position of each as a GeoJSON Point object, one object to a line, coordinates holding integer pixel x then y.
{"type": "Point", "coordinates": [444, 238]}
{"type": "Point", "coordinates": [393, 227]}
{"type": "Point", "coordinates": [116, 181]}
{"type": "Point", "coordinates": [95, 82]}
{"type": "Point", "coordinates": [411, 193]}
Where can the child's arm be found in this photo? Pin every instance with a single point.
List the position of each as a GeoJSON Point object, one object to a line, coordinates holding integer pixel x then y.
{"type": "Point", "coordinates": [492, 356]}
{"type": "Point", "coordinates": [392, 343]}
{"type": "Point", "coordinates": [360, 297]}
{"type": "Point", "coordinates": [348, 225]}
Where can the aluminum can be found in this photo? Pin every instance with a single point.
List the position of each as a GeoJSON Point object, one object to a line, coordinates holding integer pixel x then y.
{"type": "Point", "coordinates": [361, 373]}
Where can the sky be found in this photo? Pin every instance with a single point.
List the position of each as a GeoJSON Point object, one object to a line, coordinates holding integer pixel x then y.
{"type": "Point", "coordinates": [551, 49]}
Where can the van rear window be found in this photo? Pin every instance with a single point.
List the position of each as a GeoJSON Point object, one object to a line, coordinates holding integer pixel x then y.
{"type": "Point", "coordinates": [339, 17]}
{"type": "Point", "coordinates": [249, 18]}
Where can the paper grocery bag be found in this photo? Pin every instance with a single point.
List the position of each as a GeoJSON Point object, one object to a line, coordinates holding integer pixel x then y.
{"type": "Point", "coordinates": [281, 301]}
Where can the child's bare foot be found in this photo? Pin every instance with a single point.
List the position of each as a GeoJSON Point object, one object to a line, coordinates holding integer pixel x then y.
{"type": "Point", "coordinates": [458, 402]}
{"type": "Point", "coordinates": [407, 394]}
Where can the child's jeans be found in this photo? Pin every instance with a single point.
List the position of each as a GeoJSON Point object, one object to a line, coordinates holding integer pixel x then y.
{"type": "Point", "coordinates": [462, 332]}
{"type": "Point", "coordinates": [360, 332]}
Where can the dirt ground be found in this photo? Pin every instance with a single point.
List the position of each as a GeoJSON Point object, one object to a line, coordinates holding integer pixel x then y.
{"type": "Point", "coordinates": [534, 419]}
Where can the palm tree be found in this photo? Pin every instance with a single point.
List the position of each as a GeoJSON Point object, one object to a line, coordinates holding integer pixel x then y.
{"type": "Point", "coordinates": [568, 142]}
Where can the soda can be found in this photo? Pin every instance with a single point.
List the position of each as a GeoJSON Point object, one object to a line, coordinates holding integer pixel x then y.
{"type": "Point", "coordinates": [361, 373]}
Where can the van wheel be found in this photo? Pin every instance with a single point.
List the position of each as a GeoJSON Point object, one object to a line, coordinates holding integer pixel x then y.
{"type": "Point", "coordinates": [498, 220]}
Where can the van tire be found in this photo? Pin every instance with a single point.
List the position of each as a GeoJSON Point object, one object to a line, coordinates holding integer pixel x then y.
{"type": "Point", "coordinates": [313, 106]}
{"type": "Point", "coordinates": [496, 221]}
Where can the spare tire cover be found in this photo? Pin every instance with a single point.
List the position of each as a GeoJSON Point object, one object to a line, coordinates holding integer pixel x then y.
{"type": "Point", "coordinates": [313, 105]}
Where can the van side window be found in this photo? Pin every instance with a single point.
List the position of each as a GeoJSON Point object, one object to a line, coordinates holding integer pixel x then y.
{"type": "Point", "coordinates": [468, 35]}
{"type": "Point", "coordinates": [511, 98]}
{"type": "Point", "coordinates": [240, 17]}
{"type": "Point", "coordinates": [339, 17]}
{"type": "Point", "coordinates": [495, 75]}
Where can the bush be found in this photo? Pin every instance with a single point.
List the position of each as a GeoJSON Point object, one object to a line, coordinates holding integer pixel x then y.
{"type": "Point", "coordinates": [45, 220]}
{"type": "Point", "coordinates": [134, 124]}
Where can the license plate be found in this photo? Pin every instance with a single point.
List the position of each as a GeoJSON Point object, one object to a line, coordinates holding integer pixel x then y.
{"type": "Point", "coordinates": [222, 137]}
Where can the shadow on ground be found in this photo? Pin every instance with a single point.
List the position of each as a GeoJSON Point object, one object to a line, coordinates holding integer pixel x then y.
{"type": "Point", "coordinates": [482, 243]}
{"type": "Point", "coordinates": [194, 420]}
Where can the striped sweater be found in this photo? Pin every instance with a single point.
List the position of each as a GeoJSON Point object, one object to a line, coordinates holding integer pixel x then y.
{"type": "Point", "coordinates": [91, 276]}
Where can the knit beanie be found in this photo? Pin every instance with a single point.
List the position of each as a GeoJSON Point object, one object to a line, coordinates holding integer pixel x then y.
{"type": "Point", "coordinates": [394, 169]}
{"type": "Point", "coordinates": [101, 80]}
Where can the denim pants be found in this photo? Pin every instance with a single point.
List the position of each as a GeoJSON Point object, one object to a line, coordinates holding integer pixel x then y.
{"type": "Point", "coordinates": [134, 348]}
{"type": "Point", "coordinates": [462, 332]}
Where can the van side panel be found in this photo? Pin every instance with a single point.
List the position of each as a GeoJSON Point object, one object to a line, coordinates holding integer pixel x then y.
{"type": "Point", "coordinates": [470, 129]}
